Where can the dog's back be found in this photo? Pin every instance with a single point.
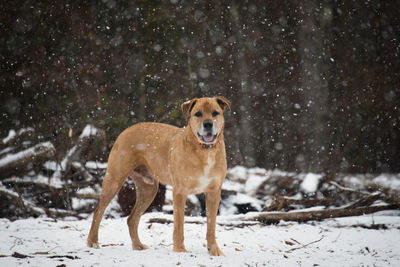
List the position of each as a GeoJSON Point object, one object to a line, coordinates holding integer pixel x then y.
{"type": "Point", "coordinates": [146, 144]}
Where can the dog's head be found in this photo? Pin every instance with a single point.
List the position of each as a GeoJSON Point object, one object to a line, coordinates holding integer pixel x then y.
{"type": "Point", "coordinates": [205, 117]}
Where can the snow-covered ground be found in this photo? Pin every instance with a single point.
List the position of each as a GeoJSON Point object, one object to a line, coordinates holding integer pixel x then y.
{"type": "Point", "coordinates": [369, 240]}
{"type": "Point", "coordinates": [337, 242]}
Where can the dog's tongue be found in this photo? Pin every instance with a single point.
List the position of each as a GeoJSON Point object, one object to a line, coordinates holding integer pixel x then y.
{"type": "Point", "coordinates": [208, 138]}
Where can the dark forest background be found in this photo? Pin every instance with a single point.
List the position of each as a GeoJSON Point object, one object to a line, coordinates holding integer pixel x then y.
{"type": "Point", "coordinates": [314, 85]}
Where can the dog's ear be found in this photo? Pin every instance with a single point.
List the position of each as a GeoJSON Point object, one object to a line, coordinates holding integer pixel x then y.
{"type": "Point", "coordinates": [223, 102]}
{"type": "Point", "coordinates": [188, 106]}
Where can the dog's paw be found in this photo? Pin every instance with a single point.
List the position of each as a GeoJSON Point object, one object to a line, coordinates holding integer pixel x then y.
{"type": "Point", "coordinates": [139, 246]}
{"type": "Point", "coordinates": [92, 244]}
{"type": "Point", "coordinates": [180, 249]}
{"type": "Point", "coordinates": [215, 251]}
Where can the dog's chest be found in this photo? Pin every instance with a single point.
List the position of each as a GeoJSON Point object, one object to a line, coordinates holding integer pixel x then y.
{"type": "Point", "coordinates": [204, 178]}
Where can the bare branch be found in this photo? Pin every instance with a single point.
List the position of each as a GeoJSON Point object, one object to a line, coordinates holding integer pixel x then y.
{"type": "Point", "coordinates": [303, 246]}
{"type": "Point", "coordinates": [348, 189]}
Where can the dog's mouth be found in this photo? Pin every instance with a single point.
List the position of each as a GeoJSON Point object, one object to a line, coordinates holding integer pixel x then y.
{"type": "Point", "coordinates": [207, 138]}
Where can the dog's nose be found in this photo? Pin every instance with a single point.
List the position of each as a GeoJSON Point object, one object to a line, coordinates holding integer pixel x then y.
{"type": "Point", "coordinates": [207, 124]}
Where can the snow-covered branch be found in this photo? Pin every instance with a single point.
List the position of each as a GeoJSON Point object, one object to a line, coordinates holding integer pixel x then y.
{"type": "Point", "coordinates": [13, 135]}
{"type": "Point", "coordinates": [12, 164]}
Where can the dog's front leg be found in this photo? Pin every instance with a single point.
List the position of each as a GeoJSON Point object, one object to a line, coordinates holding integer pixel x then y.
{"type": "Point", "coordinates": [179, 201]}
{"type": "Point", "coordinates": [212, 203]}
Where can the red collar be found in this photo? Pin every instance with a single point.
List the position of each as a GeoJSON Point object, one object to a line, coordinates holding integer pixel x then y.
{"type": "Point", "coordinates": [206, 145]}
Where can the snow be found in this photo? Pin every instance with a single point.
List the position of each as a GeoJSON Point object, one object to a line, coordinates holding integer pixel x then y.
{"type": "Point", "coordinates": [310, 183]}
{"type": "Point", "coordinates": [388, 181]}
{"type": "Point", "coordinates": [88, 131]}
{"type": "Point", "coordinates": [252, 178]}
{"type": "Point", "coordinates": [77, 203]}
{"type": "Point", "coordinates": [96, 165]}
{"type": "Point", "coordinates": [232, 186]}
{"type": "Point", "coordinates": [339, 242]}
{"type": "Point", "coordinates": [7, 150]}
{"type": "Point", "coordinates": [50, 165]}
{"type": "Point", "coordinates": [237, 173]}
{"type": "Point", "coordinates": [353, 241]}
{"type": "Point", "coordinates": [229, 205]}
{"type": "Point", "coordinates": [253, 183]}
{"type": "Point", "coordinates": [10, 135]}
{"type": "Point", "coordinates": [361, 182]}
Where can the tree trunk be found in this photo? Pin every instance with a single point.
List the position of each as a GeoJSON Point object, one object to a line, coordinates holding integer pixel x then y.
{"type": "Point", "coordinates": [246, 145]}
{"type": "Point", "coordinates": [314, 84]}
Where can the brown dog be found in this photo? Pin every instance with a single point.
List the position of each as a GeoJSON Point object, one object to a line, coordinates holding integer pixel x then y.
{"type": "Point", "coordinates": [191, 159]}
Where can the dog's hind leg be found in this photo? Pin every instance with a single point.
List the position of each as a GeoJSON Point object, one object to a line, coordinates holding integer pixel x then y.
{"type": "Point", "coordinates": [112, 183]}
{"type": "Point", "coordinates": [146, 189]}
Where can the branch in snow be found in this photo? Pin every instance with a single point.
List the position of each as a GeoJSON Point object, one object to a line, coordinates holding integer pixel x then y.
{"type": "Point", "coordinates": [349, 189]}
{"type": "Point", "coordinates": [303, 246]}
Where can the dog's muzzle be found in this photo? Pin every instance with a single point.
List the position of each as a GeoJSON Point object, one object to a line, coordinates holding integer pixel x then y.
{"type": "Point", "coordinates": [208, 132]}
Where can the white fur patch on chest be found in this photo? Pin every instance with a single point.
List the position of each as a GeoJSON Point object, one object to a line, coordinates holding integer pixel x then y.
{"type": "Point", "coordinates": [208, 167]}
{"type": "Point", "coordinates": [204, 182]}
{"type": "Point", "coordinates": [205, 179]}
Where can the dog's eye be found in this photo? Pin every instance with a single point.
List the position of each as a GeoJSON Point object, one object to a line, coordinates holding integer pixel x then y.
{"type": "Point", "coordinates": [215, 113]}
{"type": "Point", "coordinates": [198, 114]}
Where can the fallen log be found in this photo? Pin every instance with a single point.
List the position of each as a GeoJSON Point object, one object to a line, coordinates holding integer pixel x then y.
{"type": "Point", "coordinates": [359, 207]}
{"type": "Point", "coordinates": [14, 164]}
{"type": "Point", "coordinates": [26, 208]}
{"type": "Point", "coordinates": [42, 194]}
{"type": "Point", "coordinates": [30, 209]}
{"type": "Point", "coordinates": [266, 218]}
{"type": "Point", "coordinates": [316, 215]}
{"type": "Point", "coordinates": [56, 197]}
